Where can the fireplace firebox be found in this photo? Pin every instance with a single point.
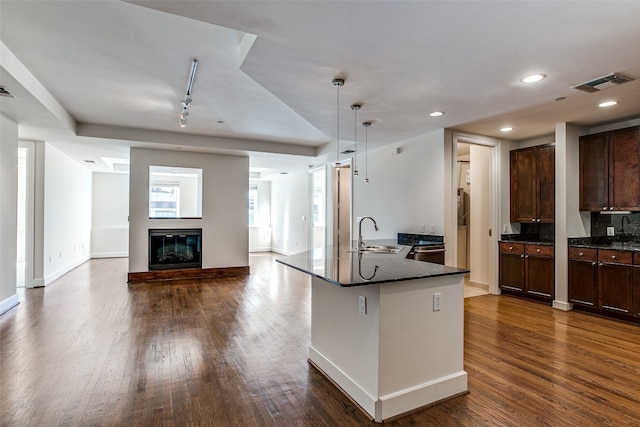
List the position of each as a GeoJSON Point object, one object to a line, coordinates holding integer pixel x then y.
{"type": "Point", "coordinates": [175, 249]}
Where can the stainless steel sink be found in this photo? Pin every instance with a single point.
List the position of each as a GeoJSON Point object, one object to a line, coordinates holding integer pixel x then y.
{"type": "Point", "coordinates": [381, 249]}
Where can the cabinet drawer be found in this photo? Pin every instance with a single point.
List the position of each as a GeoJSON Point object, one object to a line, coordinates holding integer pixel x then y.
{"type": "Point", "coordinates": [517, 248]}
{"type": "Point", "coordinates": [540, 250]}
{"type": "Point", "coordinates": [636, 260]}
{"type": "Point", "coordinates": [584, 254]}
{"type": "Point", "coordinates": [618, 257]}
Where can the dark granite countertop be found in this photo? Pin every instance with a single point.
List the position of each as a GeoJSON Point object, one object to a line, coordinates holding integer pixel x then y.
{"type": "Point", "coordinates": [343, 267]}
{"type": "Point", "coordinates": [604, 243]}
{"type": "Point", "coordinates": [523, 238]}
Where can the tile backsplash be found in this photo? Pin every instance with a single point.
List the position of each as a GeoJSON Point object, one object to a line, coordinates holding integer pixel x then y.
{"type": "Point", "coordinates": [625, 226]}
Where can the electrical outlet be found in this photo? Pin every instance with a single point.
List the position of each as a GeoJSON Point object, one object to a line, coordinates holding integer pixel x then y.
{"type": "Point", "coordinates": [611, 231]}
{"type": "Point", "coordinates": [362, 304]}
{"type": "Point", "coordinates": [437, 299]}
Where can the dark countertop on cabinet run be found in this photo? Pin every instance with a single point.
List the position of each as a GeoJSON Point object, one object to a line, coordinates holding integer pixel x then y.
{"type": "Point", "coordinates": [586, 242]}
{"type": "Point", "coordinates": [530, 239]}
{"type": "Point", "coordinates": [345, 268]}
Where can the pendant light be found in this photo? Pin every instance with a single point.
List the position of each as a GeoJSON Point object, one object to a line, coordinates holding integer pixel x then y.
{"type": "Point", "coordinates": [337, 83]}
{"type": "Point", "coordinates": [366, 151]}
{"type": "Point", "coordinates": [355, 108]}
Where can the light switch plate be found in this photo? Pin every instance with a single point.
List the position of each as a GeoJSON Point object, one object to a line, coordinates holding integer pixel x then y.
{"type": "Point", "coordinates": [362, 304]}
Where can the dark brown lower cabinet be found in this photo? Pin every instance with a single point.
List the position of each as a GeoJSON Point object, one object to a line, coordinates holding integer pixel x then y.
{"type": "Point", "coordinates": [615, 281]}
{"type": "Point", "coordinates": [528, 270]}
{"type": "Point", "coordinates": [636, 291]}
{"type": "Point", "coordinates": [539, 267]}
{"type": "Point", "coordinates": [512, 266]}
{"type": "Point", "coordinates": [583, 276]}
{"type": "Point", "coordinates": [605, 281]}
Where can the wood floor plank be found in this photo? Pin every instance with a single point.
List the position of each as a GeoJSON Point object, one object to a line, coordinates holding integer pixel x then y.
{"type": "Point", "coordinates": [90, 351]}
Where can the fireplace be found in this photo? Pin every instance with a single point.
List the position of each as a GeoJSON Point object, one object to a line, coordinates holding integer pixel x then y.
{"type": "Point", "coordinates": [175, 249]}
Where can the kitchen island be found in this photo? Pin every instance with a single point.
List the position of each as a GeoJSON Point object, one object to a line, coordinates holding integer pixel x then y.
{"type": "Point", "coordinates": [387, 330]}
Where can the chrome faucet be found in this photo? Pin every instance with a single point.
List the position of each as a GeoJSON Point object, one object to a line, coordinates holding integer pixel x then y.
{"type": "Point", "coordinates": [622, 227]}
{"type": "Point", "coordinates": [361, 242]}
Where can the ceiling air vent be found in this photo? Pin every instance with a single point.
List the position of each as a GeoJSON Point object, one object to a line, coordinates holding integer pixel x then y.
{"type": "Point", "coordinates": [5, 92]}
{"type": "Point", "coordinates": [603, 83]}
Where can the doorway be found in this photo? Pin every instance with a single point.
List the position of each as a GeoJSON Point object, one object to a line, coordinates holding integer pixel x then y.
{"type": "Point", "coordinates": [25, 215]}
{"type": "Point", "coordinates": [318, 181]}
{"type": "Point", "coordinates": [480, 207]}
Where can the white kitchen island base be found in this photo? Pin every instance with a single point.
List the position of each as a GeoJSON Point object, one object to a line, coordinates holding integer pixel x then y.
{"type": "Point", "coordinates": [401, 354]}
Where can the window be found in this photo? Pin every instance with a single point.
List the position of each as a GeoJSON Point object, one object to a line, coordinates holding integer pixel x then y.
{"type": "Point", "coordinates": [175, 192]}
{"type": "Point", "coordinates": [253, 204]}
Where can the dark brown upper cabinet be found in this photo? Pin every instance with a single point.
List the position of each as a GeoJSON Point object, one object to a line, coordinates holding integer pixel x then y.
{"type": "Point", "coordinates": [610, 170]}
{"type": "Point", "coordinates": [533, 184]}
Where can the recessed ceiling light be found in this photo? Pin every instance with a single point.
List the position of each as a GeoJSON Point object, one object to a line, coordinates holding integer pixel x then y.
{"type": "Point", "coordinates": [533, 78]}
{"type": "Point", "coordinates": [506, 129]}
{"type": "Point", "coordinates": [607, 104]}
{"type": "Point", "coordinates": [437, 114]}
{"type": "Point", "coordinates": [89, 161]}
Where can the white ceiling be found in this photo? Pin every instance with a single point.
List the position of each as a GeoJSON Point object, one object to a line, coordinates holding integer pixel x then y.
{"type": "Point", "coordinates": [96, 77]}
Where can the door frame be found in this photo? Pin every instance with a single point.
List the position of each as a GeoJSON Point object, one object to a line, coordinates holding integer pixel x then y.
{"type": "Point", "coordinates": [29, 243]}
{"type": "Point", "coordinates": [495, 202]}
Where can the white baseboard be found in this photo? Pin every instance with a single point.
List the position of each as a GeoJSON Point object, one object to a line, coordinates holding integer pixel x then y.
{"type": "Point", "coordinates": [62, 271]}
{"type": "Point", "coordinates": [344, 381]}
{"type": "Point", "coordinates": [260, 249]}
{"type": "Point", "coordinates": [397, 403]}
{"type": "Point", "coordinates": [281, 252]}
{"type": "Point", "coordinates": [9, 303]}
{"type": "Point", "coordinates": [561, 305]}
{"type": "Point", "coordinates": [109, 254]}
{"type": "Point", "coordinates": [421, 395]}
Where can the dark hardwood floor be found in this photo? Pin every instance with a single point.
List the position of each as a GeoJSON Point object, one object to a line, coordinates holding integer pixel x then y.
{"type": "Point", "coordinates": [89, 351]}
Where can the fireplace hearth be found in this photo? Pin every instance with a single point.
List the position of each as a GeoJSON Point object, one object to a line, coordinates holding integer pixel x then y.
{"type": "Point", "coordinates": [175, 249]}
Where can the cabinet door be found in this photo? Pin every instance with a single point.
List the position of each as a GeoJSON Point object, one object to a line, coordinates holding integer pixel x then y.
{"type": "Point", "coordinates": [539, 280]}
{"type": "Point", "coordinates": [524, 185]}
{"type": "Point", "coordinates": [615, 288]}
{"type": "Point", "coordinates": [583, 282]}
{"type": "Point", "coordinates": [636, 291]}
{"type": "Point", "coordinates": [512, 271]}
{"type": "Point", "coordinates": [624, 169]}
{"type": "Point", "coordinates": [594, 172]}
{"type": "Point", "coordinates": [547, 184]}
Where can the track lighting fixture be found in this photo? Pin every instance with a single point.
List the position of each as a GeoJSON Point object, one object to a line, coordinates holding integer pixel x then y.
{"type": "Point", "coordinates": [186, 102]}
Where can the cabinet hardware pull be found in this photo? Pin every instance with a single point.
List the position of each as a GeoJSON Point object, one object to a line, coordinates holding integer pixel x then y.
{"type": "Point", "coordinates": [604, 209]}
{"type": "Point", "coordinates": [526, 256]}
{"type": "Point", "coordinates": [537, 250]}
{"type": "Point", "coordinates": [581, 254]}
{"type": "Point", "coordinates": [593, 263]}
{"type": "Point", "coordinates": [521, 256]}
{"type": "Point", "coordinates": [533, 220]}
{"type": "Point", "coordinates": [538, 220]}
{"type": "Point", "coordinates": [600, 264]}
{"type": "Point", "coordinates": [510, 248]}
{"type": "Point", "coordinates": [613, 257]}
{"type": "Point", "coordinates": [611, 208]}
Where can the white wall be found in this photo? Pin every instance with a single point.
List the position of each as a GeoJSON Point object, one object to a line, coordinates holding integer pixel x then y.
{"type": "Point", "coordinates": [260, 232]}
{"type": "Point", "coordinates": [8, 213]}
{"type": "Point", "coordinates": [110, 215]}
{"type": "Point", "coordinates": [225, 183]}
{"type": "Point", "coordinates": [67, 214]}
{"type": "Point", "coordinates": [289, 204]}
{"type": "Point", "coordinates": [405, 190]}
